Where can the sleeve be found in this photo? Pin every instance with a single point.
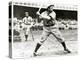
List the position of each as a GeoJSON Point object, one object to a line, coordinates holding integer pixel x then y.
{"type": "Point", "coordinates": [31, 19]}
{"type": "Point", "coordinates": [53, 15]}
{"type": "Point", "coordinates": [23, 20]}
{"type": "Point", "coordinates": [44, 15]}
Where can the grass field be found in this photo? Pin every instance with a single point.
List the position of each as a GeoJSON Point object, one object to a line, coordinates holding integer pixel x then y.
{"type": "Point", "coordinates": [51, 46]}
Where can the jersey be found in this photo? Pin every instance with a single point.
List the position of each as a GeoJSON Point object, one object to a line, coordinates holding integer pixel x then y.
{"type": "Point", "coordinates": [27, 20]}
{"type": "Point", "coordinates": [48, 19]}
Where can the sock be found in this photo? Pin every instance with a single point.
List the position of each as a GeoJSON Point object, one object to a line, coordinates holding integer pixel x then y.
{"type": "Point", "coordinates": [26, 36]}
{"type": "Point", "coordinates": [64, 45]}
{"type": "Point", "coordinates": [37, 47]}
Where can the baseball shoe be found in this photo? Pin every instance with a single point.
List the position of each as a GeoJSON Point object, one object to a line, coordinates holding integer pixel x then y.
{"type": "Point", "coordinates": [67, 50]}
{"type": "Point", "coordinates": [34, 54]}
{"type": "Point", "coordinates": [25, 40]}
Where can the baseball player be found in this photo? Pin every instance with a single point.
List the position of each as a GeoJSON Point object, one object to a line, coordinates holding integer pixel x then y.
{"type": "Point", "coordinates": [50, 26]}
{"type": "Point", "coordinates": [28, 23]}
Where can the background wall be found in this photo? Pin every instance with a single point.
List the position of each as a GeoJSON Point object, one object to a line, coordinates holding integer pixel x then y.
{"type": "Point", "coordinates": [63, 14]}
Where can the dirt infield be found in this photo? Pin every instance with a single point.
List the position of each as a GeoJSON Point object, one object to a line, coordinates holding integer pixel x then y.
{"type": "Point", "coordinates": [51, 46]}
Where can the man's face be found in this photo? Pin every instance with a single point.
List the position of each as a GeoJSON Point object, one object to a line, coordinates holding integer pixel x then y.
{"type": "Point", "coordinates": [51, 8]}
{"type": "Point", "coordinates": [26, 14]}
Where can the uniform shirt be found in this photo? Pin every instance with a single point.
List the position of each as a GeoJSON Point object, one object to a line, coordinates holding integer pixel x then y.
{"type": "Point", "coordinates": [48, 18]}
{"type": "Point", "coordinates": [27, 20]}
{"type": "Point", "coordinates": [53, 15]}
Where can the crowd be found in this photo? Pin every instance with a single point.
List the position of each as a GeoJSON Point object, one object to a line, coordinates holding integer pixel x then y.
{"type": "Point", "coordinates": [63, 24]}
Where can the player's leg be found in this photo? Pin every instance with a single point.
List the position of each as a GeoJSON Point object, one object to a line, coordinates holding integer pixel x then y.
{"type": "Point", "coordinates": [27, 29]}
{"type": "Point", "coordinates": [26, 34]}
{"type": "Point", "coordinates": [43, 38]}
{"type": "Point", "coordinates": [59, 37]}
